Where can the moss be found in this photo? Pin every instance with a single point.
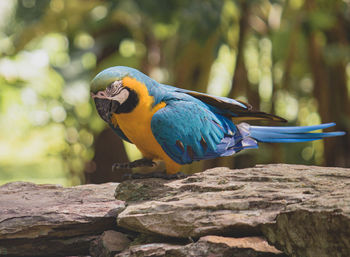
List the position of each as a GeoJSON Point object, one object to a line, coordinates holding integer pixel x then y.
{"type": "Point", "coordinates": [142, 190]}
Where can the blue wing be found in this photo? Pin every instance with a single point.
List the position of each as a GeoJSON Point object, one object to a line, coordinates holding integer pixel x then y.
{"type": "Point", "coordinates": [238, 110]}
{"type": "Point", "coordinates": [188, 130]}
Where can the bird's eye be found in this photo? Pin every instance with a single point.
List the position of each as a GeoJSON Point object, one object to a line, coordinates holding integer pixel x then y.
{"type": "Point", "coordinates": [101, 93]}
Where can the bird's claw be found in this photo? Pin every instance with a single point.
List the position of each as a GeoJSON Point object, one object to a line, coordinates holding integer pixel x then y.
{"type": "Point", "coordinates": [133, 164]}
{"type": "Point", "coordinates": [162, 175]}
{"type": "Point", "coordinates": [118, 166]}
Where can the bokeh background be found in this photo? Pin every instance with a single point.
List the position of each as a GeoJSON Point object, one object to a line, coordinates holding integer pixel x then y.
{"type": "Point", "coordinates": [287, 57]}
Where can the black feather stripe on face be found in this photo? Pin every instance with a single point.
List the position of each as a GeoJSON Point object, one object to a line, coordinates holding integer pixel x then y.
{"type": "Point", "coordinates": [130, 104]}
{"type": "Point", "coordinates": [115, 99]}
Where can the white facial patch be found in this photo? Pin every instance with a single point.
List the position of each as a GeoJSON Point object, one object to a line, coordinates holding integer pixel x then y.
{"type": "Point", "coordinates": [115, 91]}
{"type": "Point", "coordinates": [122, 96]}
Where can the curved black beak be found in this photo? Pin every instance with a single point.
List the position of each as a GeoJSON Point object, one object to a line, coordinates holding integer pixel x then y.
{"type": "Point", "coordinates": [106, 108]}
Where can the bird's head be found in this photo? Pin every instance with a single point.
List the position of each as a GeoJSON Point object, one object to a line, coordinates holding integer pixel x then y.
{"type": "Point", "coordinates": [111, 95]}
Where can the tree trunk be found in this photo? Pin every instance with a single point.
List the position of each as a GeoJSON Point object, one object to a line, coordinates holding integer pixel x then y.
{"type": "Point", "coordinates": [240, 84]}
{"type": "Point", "coordinates": [109, 149]}
{"type": "Point", "coordinates": [330, 91]}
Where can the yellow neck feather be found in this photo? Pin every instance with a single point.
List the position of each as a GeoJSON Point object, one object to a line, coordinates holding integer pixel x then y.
{"type": "Point", "coordinates": [136, 125]}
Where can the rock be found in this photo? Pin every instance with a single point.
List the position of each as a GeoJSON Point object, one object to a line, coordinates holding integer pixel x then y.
{"type": "Point", "coordinates": [108, 244]}
{"type": "Point", "coordinates": [310, 233]}
{"type": "Point", "coordinates": [234, 247]}
{"type": "Point", "coordinates": [47, 220]}
{"type": "Point", "coordinates": [152, 250]}
{"type": "Point", "coordinates": [209, 246]}
{"type": "Point", "coordinates": [302, 210]}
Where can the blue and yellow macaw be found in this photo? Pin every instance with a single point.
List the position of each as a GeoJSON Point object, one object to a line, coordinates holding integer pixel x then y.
{"type": "Point", "coordinates": [180, 126]}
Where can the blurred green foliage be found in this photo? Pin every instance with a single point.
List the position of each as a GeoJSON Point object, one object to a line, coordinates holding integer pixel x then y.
{"type": "Point", "coordinates": [50, 50]}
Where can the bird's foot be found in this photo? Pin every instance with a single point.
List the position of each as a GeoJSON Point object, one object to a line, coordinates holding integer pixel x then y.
{"type": "Point", "coordinates": [162, 175]}
{"type": "Point", "coordinates": [129, 165]}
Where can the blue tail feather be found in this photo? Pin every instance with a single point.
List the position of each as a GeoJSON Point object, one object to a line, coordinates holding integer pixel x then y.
{"type": "Point", "coordinates": [292, 129]}
{"type": "Point", "coordinates": [291, 134]}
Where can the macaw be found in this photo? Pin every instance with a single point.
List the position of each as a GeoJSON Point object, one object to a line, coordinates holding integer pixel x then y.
{"type": "Point", "coordinates": [180, 126]}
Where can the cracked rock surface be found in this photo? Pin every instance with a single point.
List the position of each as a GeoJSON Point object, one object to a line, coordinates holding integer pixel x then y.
{"type": "Point", "coordinates": [302, 210]}
{"type": "Point", "coordinates": [208, 246]}
{"type": "Point", "coordinates": [265, 211]}
{"type": "Point", "coordinates": [46, 220]}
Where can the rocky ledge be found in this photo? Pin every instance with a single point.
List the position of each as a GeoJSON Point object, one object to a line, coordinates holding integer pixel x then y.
{"type": "Point", "coordinates": [270, 210]}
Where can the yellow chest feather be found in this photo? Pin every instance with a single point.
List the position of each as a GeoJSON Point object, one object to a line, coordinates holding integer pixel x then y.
{"type": "Point", "coordinates": [136, 125]}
